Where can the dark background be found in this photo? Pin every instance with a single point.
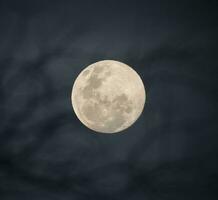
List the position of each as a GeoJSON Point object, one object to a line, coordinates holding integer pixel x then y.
{"type": "Point", "coordinates": [171, 152]}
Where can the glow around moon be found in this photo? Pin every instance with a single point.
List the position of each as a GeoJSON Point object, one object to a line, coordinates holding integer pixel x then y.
{"type": "Point", "coordinates": [108, 96]}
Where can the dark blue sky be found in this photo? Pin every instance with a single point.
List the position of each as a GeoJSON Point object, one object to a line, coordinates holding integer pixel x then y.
{"type": "Point", "coordinates": [169, 153]}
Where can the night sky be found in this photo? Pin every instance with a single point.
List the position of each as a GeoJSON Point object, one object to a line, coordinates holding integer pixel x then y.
{"type": "Point", "coordinates": [170, 153]}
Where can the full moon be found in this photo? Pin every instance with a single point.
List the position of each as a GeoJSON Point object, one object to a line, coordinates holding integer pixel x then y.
{"type": "Point", "coordinates": [108, 96]}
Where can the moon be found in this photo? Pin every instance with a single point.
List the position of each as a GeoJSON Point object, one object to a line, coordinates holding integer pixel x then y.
{"type": "Point", "coordinates": [108, 96]}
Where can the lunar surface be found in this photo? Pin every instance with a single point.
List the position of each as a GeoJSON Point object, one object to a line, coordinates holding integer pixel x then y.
{"type": "Point", "coordinates": [108, 96]}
